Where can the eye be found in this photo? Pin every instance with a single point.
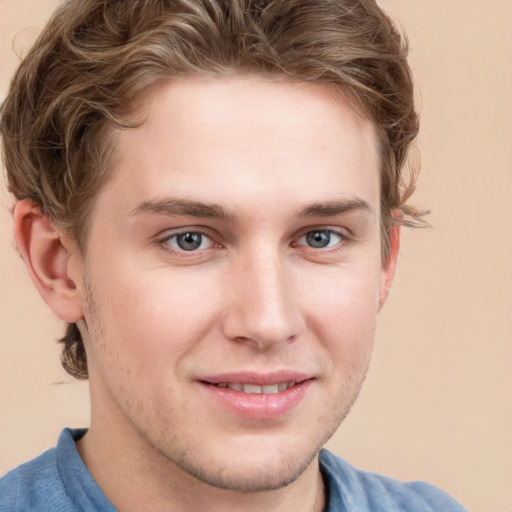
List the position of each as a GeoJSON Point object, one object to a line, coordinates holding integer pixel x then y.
{"type": "Point", "coordinates": [189, 241]}
{"type": "Point", "coordinates": [320, 239]}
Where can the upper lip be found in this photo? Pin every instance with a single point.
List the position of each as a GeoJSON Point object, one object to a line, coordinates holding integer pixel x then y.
{"type": "Point", "coordinates": [257, 378]}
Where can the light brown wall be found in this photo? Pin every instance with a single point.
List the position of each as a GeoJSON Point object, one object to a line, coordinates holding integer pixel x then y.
{"type": "Point", "coordinates": [437, 402]}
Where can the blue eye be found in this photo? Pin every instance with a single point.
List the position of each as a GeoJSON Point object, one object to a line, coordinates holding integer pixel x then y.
{"type": "Point", "coordinates": [320, 239]}
{"type": "Point", "coordinates": [189, 241]}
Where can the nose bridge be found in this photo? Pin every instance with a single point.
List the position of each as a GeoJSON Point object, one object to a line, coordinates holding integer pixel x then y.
{"type": "Point", "coordinates": [264, 307]}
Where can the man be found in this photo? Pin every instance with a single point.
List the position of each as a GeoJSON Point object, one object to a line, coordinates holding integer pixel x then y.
{"type": "Point", "coordinates": [210, 194]}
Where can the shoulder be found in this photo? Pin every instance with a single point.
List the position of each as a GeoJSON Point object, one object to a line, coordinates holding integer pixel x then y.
{"type": "Point", "coordinates": [46, 482]}
{"type": "Point", "coordinates": [35, 485]}
{"type": "Point", "coordinates": [354, 490]}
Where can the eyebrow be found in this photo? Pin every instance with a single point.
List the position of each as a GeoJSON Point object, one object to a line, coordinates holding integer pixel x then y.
{"type": "Point", "coordinates": [332, 208]}
{"type": "Point", "coordinates": [216, 211]}
{"type": "Point", "coordinates": [184, 207]}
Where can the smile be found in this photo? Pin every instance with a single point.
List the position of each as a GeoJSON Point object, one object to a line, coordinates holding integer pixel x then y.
{"type": "Point", "coordinates": [262, 398]}
{"type": "Point", "coordinates": [254, 389]}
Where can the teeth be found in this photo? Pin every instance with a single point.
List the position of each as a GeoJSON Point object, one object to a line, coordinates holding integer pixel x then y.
{"type": "Point", "coordinates": [254, 389]}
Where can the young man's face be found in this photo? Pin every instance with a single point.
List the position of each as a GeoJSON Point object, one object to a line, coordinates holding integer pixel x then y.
{"type": "Point", "coordinates": [232, 278]}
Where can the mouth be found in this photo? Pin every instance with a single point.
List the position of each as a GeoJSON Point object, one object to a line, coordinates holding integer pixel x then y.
{"type": "Point", "coordinates": [258, 397]}
{"type": "Point", "coordinates": [255, 389]}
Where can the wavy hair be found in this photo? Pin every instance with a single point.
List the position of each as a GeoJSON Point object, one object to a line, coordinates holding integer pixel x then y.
{"type": "Point", "coordinates": [96, 57]}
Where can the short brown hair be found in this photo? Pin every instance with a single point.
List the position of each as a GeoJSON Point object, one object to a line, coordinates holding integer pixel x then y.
{"type": "Point", "coordinates": [95, 57]}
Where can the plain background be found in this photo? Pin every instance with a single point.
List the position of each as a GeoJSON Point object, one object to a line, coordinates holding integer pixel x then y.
{"type": "Point", "coordinates": [437, 402]}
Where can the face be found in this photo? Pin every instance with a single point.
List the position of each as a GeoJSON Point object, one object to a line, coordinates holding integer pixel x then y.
{"type": "Point", "coordinates": [232, 278]}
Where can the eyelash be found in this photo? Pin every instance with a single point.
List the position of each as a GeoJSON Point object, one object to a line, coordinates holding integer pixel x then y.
{"type": "Point", "coordinates": [165, 241]}
{"type": "Point", "coordinates": [344, 240]}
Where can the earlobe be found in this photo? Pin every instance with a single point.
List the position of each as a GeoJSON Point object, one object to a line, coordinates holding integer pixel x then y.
{"type": "Point", "coordinates": [47, 257]}
{"type": "Point", "coordinates": [389, 265]}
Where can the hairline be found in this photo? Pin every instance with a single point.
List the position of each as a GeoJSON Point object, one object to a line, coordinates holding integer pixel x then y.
{"type": "Point", "coordinates": [133, 113]}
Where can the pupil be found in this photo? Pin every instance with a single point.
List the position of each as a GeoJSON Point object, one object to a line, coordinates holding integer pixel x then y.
{"type": "Point", "coordinates": [318, 239]}
{"type": "Point", "coordinates": [189, 241]}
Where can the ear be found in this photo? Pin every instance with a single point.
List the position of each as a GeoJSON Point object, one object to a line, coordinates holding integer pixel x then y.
{"type": "Point", "coordinates": [47, 258]}
{"type": "Point", "coordinates": [389, 265]}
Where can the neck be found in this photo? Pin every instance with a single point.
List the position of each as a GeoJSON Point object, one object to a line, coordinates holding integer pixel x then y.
{"type": "Point", "coordinates": [140, 478]}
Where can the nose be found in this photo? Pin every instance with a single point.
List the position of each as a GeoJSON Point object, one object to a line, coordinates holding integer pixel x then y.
{"type": "Point", "coordinates": [263, 307]}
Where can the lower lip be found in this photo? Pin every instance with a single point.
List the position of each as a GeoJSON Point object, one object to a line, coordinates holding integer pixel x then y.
{"type": "Point", "coordinates": [258, 406]}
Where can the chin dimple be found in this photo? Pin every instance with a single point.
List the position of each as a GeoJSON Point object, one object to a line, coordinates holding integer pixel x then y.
{"type": "Point", "coordinates": [254, 389]}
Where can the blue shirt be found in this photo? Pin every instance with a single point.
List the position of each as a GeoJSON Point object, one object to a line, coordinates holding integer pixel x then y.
{"type": "Point", "coordinates": [58, 481]}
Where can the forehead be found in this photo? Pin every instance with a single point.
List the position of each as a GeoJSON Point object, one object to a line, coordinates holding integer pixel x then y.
{"type": "Point", "coordinates": [211, 137]}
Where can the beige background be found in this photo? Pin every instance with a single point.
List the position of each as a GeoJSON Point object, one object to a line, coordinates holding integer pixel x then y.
{"type": "Point", "coordinates": [437, 403]}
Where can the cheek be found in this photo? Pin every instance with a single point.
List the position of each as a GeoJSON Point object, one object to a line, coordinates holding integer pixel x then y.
{"type": "Point", "coordinates": [155, 313]}
{"type": "Point", "coordinates": [343, 313]}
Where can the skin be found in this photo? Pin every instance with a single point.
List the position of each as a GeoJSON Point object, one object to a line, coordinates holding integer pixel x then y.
{"type": "Point", "coordinates": [288, 166]}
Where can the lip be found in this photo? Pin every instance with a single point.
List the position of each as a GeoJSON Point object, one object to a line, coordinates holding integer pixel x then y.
{"type": "Point", "coordinates": [257, 406]}
{"type": "Point", "coordinates": [256, 378]}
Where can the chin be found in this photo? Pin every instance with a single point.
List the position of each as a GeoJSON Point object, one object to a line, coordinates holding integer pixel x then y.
{"type": "Point", "coordinates": [249, 475]}
{"type": "Point", "coordinates": [248, 463]}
